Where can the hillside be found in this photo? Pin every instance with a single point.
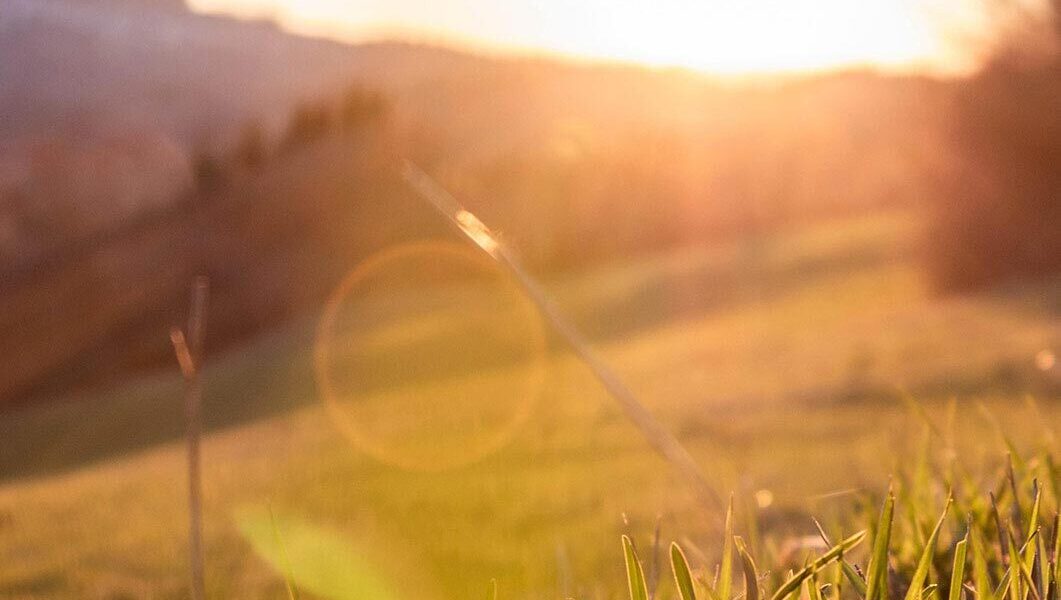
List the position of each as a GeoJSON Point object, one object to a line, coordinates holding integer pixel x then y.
{"type": "Point", "coordinates": [785, 382]}
{"type": "Point", "coordinates": [112, 111]}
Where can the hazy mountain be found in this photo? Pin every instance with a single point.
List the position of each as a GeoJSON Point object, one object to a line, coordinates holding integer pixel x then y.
{"type": "Point", "coordinates": [156, 65]}
{"type": "Point", "coordinates": [104, 105]}
{"type": "Point", "coordinates": [109, 108]}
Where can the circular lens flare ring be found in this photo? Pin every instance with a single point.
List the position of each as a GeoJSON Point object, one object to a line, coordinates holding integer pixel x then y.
{"type": "Point", "coordinates": [477, 389]}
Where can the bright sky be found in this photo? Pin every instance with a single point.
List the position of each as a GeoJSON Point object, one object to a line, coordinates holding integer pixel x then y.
{"type": "Point", "coordinates": [716, 36]}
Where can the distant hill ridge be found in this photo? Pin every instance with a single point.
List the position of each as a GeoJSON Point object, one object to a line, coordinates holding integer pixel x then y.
{"type": "Point", "coordinates": [108, 107]}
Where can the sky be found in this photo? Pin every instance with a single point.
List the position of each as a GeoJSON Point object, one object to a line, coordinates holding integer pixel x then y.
{"type": "Point", "coordinates": [725, 37]}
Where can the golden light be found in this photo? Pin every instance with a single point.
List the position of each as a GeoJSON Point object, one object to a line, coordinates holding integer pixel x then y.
{"type": "Point", "coordinates": [718, 36]}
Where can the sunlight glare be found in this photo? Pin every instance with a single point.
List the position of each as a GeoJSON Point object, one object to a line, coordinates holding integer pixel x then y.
{"type": "Point", "coordinates": [477, 231]}
{"type": "Point", "coordinates": [721, 37]}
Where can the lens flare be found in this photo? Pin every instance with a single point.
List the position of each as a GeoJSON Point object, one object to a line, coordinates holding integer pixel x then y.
{"type": "Point", "coordinates": [429, 357]}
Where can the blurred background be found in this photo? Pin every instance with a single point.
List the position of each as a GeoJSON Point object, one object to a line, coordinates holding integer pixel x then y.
{"type": "Point", "coordinates": [776, 221]}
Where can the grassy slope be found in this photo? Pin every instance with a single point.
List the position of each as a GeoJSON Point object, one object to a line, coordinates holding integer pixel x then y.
{"type": "Point", "coordinates": [782, 376]}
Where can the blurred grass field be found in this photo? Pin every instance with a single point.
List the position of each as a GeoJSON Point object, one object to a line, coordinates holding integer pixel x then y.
{"type": "Point", "coordinates": [780, 360]}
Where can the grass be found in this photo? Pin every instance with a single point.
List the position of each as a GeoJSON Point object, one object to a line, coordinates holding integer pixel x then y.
{"type": "Point", "coordinates": [781, 384]}
{"type": "Point", "coordinates": [998, 522]}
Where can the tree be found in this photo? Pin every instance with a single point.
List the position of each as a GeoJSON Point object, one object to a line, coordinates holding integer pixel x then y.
{"type": "Point", "coordinates": [310, 122]}
{"type": "Point", "coordinates": [360, 108]}
{"type": "Point", "coordinates": [1000, 207]}
{"type": "Point", "coordinates": [251, 149]}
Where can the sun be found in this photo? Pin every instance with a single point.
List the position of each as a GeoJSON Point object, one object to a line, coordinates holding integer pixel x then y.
{"type": "Point", "coordinates": [748, 36]}
{"type": "Point", "coordinates": [725, 37]}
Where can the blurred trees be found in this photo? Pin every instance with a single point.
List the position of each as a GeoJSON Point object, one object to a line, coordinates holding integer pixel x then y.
{"type": "Point", "coordinates": [354, 113]}
{"type": "Point", "coordinates": [208, 170]}
{"type": "Point", "coordinates": [360, 108]}
{"type": "Point", "coordinates": [252, 149]}
{"type": "Point", "coordinates": [99, 237]}
{"type": "Point", "coordinates": [310, 122]}
{"type": "Point", "coordinates": [999, 213]}
{"type": "Point", "coordinates": [573, 190]}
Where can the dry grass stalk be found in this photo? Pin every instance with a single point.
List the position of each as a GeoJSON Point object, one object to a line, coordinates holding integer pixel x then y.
{"type": "Point", "coordinates": [189, 350]}
{"type": "Point", "coordinates": [657, 435]}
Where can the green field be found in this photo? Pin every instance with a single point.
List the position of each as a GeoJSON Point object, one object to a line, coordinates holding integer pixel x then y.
{"type": "Point", "coordinates": [778, 360]}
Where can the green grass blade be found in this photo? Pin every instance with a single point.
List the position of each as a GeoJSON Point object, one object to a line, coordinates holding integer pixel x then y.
{"type": "Point", "coordinates": [1003, 545]}
{"type": "Point", "coordinates": [1015, 509]}
{"type": "Point", "coordinates": [814, 592]}
{"type": "Point", "coordinates": [725, 576]}
{"type": "Point", "coordinates": [711, 593]}
{"type": "Point", "coordinates": [1028, 583]}
{"type": "Point", "coordinates": [835, 552]}
{"type": "Point", "coordinates": [751, 574]}
{"type": "Point", "coordinates": [1042, 567]}
{"type": "Point", "coordinates": [1054, 573]}
{"type": "Point", "coordinates": [1024, 580]}
{"type": "Point", "coordinates": [794, 594]}
{"type": "Point", "coordinates": [635, 575]}
{"type": "Point", "coordinates": [1014, 587]}
{"type": "Point", "coordinates": [1033, 551]}
{"type": "Point", "coordinates": [682, 576]}
{"type": "Point", "coordinates": [877, 579]}
{"type": "Point", "coordinates": [981, 575]}
{"type": "Point", "coordinates": [917, 581]}
{"type": "Point", "coordinates": [1033, 519]}
{"type": "Point", "coordinates": [957, 574]}
{"type": "Point", "coordinates": [838, 579]}
{"type": "Point", "coordinates": [752, 535]}
{"type": "Point", "coordinates": [1052, 476]}
{"type": "Point", "coordinates": [845, 568]}
{"type": "Point", "coordinates": [856, 580]}
{"type": "Point", "coordinates": [918, 494]}
{"type": "Point", "coordinates": [1003, 585]}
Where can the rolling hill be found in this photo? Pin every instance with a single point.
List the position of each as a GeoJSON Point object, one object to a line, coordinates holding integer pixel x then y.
{"type": "Point", "coordinates": [111, 111]}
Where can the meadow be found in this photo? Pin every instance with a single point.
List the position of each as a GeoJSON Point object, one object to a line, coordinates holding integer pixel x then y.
{"type": "Point", "coordinates": [785, 362]}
